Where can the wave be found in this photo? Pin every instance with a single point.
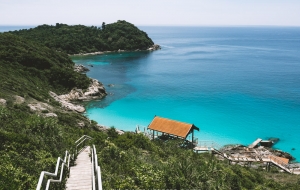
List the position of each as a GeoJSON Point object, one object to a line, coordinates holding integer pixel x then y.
{"type": "Point", "coordinates": [167, 46]}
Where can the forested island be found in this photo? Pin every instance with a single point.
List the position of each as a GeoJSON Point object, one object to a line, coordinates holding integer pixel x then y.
{"type": "Point", "coordinates": [35, 129]}
{"type": "Point", "coordinates": [78, 39]}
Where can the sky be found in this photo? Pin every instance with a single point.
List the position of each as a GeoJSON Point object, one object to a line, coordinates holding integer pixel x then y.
{"type": "Point", "coordinates": [152, 12]}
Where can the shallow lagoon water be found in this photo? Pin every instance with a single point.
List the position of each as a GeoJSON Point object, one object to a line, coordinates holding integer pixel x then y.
{"type": "Point", "coordinates": [235, 84]}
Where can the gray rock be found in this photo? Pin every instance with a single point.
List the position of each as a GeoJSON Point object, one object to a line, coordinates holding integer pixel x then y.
{"type": "Point", "coordinates": [120, 132]}
{"type": "Point", "coordinates": [3, 102]}
{"type": "Point", "coordinates": [80, 69]}
{"type": "Point", "coordinates": [19, 100]}
{"type": "Point", "coordinates": [102, 127]}
{"type": "Point", "coordinates": [105, 129]}
{"type": "Point", "coordinates": [67, 105]}
{"type": "Point", "coordinates": [50, 115]}
{"type": "Point", "coordinates": [39, 107]}
{"type": "Point", "coordinates": [96, 90]}
{"type": "Point", "coordinates": [154, 47]}
{"type": "Point", "coordinates": [81, 124]}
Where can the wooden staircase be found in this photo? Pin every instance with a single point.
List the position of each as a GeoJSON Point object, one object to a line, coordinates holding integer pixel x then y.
{"type": "Point", "coordinates": [81, 174]}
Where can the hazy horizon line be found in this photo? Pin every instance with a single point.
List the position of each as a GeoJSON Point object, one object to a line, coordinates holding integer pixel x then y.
{"type": "Point", "coordinates": [159, 25]}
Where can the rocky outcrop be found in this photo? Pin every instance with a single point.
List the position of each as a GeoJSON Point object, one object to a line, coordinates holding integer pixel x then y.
{"type": "Point", "coordinates": [120, 132]}
{"type": "Point", "coordinates": [96, 90]}
{"type": "Point", "coordinates": [154, 47]}
{"type": "Point", "coordinates": [80, 69]}
{"type": "Point", "coordinates": [102, 128]}
{"type": "Point", "coordinates": [39, 107]}
{"type": "Point", "coordinates": [67, 105]}
{"type": "Point", "coordinates": [92, 53]}
{"type": "Point", "coordinates": [105, 129]}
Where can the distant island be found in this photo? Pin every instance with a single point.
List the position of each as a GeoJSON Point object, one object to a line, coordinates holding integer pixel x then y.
{"type": "Point", "coordinates": [80, 39]}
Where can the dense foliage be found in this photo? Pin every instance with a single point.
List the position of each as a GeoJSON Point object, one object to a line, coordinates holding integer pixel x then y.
{"type": "Point", "coordinates": [27, 67]}
{"type": "Point", "coordinates": [30, 143]}
{"type": "Point", "coordinates": [83, 39]}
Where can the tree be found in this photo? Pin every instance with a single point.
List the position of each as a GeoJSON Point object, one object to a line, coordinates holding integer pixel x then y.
{"type": "Point", "coordinates": [103, 25]}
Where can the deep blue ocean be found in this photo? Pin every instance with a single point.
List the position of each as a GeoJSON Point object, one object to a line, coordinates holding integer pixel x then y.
{"type": "Point", "coordinates": [236, 84]}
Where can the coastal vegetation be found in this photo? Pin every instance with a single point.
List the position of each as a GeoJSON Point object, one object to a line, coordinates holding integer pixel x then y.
{"type": "Point", "coordinates": [76, 39]}
{"type": "Point", "coordinates": [31, 69]}
{"type": "Point", "coordinates": [31, 142]}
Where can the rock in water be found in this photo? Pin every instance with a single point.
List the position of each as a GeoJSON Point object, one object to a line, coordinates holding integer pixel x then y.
{"type": "Point", "coordinates": [154, 47]}
{"type": "Point", "coordinates": [274, 139]}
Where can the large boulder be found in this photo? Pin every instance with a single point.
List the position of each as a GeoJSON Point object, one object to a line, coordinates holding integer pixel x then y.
{"type": "Point", "coordinates": [95, 90]}
{"type": "Point", "coordinates": [67, 105]}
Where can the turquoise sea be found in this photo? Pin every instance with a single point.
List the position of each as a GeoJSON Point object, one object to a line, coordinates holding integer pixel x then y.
{"type": "Point", "coordinates": [235, 83]}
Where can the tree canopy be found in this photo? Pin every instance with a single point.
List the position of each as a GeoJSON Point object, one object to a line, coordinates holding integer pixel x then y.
{"type": "Point", "coordinates": [28, 65]}
{"type": "Point", "coordinates": [85, 39]}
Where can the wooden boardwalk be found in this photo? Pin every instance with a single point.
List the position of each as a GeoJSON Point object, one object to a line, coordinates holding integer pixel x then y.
{"type": "Point", "coordinates": [282, 163]}
{"type": "Point", "coordinates": [255, 143]}
{"type": "Point", "coordinates": [81, 174]}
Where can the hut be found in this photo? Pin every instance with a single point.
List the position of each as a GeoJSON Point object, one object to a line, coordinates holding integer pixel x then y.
{"type": "Point", "coordinates": [167, 128]}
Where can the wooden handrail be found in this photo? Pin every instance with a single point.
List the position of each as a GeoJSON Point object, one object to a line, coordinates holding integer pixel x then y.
{"type": "Point", "coordinates": [96, 171]}
{"type": "Point", "coordinates": [43, 173]}
{"type": "Point", "coordinates": [64, 162]}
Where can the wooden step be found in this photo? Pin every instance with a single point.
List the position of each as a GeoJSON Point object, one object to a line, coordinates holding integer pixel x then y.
{"type": "Point", "coordinates": [81, 174]}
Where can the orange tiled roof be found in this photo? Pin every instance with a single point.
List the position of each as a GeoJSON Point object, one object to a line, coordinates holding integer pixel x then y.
{"type": "Point", "coordinates": [279, 159]}
{"type": "Point", "coordinates": [169, 126]}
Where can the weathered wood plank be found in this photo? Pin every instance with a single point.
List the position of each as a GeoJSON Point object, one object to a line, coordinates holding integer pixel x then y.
{"type": "Point", "coordinates": [81, 173]}
{"type": "Point", "coordinates": [255, 143]}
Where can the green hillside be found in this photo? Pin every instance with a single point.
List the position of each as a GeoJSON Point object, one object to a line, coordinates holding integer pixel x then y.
{"type": "Point", "coordinates": [31, 142]}
{"type": "Point", "coordinates": [30, 69]}
{"type": "Point", "coordinates": [85, 39]}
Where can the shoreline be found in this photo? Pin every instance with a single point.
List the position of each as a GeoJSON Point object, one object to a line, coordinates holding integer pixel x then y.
{"type": "Point", "coordinates": [151, 48]}
{"type": "Point", "coordinates": [129, 125]}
